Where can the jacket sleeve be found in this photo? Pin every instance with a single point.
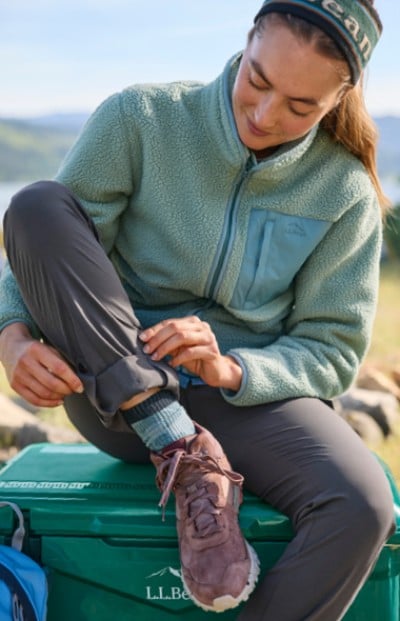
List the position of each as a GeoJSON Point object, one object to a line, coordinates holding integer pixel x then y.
{"type": "Point", "coordinates": [97, 169]}
{"type": "Point", "coordinates": [328, 330]}
{"type": "Point", "coordinates": [12, 307]}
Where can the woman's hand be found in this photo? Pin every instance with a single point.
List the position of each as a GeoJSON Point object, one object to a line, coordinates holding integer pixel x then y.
{"type": "Point", "coordinates": [191, 343]}
{"type": "Point", "coordinates": [37, 372]}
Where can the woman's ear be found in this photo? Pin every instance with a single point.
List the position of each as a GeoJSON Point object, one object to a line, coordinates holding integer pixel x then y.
{"type": "Point", "coordinates": [346, 88]}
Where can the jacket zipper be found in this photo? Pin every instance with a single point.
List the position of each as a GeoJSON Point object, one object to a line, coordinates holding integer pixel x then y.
{"type": "Point", "coordinates": [226, 242]}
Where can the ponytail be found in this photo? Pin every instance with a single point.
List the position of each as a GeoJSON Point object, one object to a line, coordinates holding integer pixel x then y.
{"type": "Point", "coordinates": [351, 125]}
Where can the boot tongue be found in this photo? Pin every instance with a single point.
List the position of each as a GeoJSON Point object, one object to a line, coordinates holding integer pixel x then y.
{"type": "Point", "coordinates": [181, 444]}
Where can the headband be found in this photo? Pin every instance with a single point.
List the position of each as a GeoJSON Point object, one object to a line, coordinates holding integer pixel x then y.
{"type": "Point", "coordinates": [354, 25]}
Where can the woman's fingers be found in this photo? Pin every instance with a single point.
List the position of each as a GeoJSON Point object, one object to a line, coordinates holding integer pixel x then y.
{"type": "Point", "coordinates": [172, 335]}
{"type": "Point", "coordinates": [41, 376]}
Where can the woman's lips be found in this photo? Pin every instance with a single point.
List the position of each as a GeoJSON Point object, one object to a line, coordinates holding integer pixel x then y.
{"type": "Point", "coordinates": [256, 131]}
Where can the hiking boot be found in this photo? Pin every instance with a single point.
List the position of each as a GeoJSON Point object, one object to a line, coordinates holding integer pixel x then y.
{"type": "Point", "coordinates": [219, 568]}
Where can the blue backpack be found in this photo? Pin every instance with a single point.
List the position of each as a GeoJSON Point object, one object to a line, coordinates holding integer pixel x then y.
{"type": "Point", "coordinates": [23, 584]}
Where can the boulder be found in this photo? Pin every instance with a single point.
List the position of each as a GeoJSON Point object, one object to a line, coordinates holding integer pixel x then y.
{"type": "Point", "coordinates": [371, 378]}
{"type": "Point", "coordinates": [13, 415]}
{"type": "Point", "coordinates": [396, 375]}
{"type": "Point", "coordinates": [383, 407]}
{"type": "Point", "coordinates": [366, 427]}
{"type": "Point", "coordinates": [18, 427]}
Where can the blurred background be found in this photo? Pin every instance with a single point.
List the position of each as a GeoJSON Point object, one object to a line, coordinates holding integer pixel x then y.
{"type": "Point", "coordinates": [60, 59]}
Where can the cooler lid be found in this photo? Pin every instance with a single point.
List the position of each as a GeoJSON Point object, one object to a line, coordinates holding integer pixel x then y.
{"type": "Point", "coordinates": [67, 489]}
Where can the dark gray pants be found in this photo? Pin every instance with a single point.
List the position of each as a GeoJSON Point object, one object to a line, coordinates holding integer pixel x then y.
{"type": "Point", "coordinates": [297, 455]}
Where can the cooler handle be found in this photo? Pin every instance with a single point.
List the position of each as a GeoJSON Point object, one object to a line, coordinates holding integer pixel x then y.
{"type": "Point", "coordinates": [19, 533]}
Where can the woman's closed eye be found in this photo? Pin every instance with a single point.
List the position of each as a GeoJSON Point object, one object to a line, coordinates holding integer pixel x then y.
{"type": "Point", "coordinates": [257, 83]}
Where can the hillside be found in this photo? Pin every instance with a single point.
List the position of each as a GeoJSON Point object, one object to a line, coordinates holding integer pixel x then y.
{"type": "Point", "coordinates": [33, 148]}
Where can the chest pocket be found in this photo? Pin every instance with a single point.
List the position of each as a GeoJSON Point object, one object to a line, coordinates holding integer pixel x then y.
{"type": "Point", "coordinates": [276, 248]}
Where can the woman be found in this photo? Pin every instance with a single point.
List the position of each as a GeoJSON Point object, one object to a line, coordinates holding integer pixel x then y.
{"type": "Point", "coordinates": [242, 220]}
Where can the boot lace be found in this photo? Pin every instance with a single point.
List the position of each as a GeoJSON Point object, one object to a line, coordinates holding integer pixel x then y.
{"type": "Point", "coordinates": [183, 469]}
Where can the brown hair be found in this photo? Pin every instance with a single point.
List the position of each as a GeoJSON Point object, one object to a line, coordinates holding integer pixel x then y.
{"type": "Point", "coordinates": [349, 123]}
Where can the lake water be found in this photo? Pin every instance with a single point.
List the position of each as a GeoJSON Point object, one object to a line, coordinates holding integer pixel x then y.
{"type": "Point", "coordinates": [7, 190]}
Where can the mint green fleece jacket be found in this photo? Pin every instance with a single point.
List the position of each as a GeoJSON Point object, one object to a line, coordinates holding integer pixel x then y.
{"type": "Point", "coordinates": [281, 257]}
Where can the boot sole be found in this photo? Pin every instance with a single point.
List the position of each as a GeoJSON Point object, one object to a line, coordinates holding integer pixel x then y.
{"type": "Point", "coordinates": [225, 602]}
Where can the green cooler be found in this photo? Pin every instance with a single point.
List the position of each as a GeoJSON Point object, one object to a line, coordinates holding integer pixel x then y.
{"type": "Point", "coordinates": [94, 524]}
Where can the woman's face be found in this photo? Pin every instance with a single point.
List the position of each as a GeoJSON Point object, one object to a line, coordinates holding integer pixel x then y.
{"type": "Point", "coordinates": [283, 88]}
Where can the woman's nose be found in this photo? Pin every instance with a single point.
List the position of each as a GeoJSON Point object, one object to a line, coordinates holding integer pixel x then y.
{"type": "Point", "coordinates": [267, 111]}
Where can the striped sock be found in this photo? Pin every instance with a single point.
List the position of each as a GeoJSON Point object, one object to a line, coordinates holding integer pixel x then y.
{"type": "Point", "coordinates": [159, 420]}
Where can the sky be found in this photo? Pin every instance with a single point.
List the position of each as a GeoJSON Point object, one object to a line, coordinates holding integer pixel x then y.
{"type": "Point", "coordinates": [68, 55]}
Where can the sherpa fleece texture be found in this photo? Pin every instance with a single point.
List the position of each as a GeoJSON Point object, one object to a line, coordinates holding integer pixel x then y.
{"type": "Point", "coordinates": [281, 256]}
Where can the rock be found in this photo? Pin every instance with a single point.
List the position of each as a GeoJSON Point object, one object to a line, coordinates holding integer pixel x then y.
{"type": "Point", "coordinates": [42, 432]}
{"type": "Point", "coordinates": [373, 379]}
{"type": "Point", "coordinates": [6, 454]}
{"type": "Point", "coordinates": [396, 375]}
{"type": "Point", "coordinates": [366, 427]}
{"type": "Point", "coordinates": [383, 407]}
{"type": "Point", "coordinates": [20, 428]}
{"type": "Point", "coordinates": [25, 405]}
{"type": "Point", "coordinates": [12, 416]}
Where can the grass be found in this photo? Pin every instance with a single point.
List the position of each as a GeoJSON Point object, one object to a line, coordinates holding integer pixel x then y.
{"type": "Point", "coordinates": [385, 347]}
{"type": "Point", "coordinates": [384, 353]}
